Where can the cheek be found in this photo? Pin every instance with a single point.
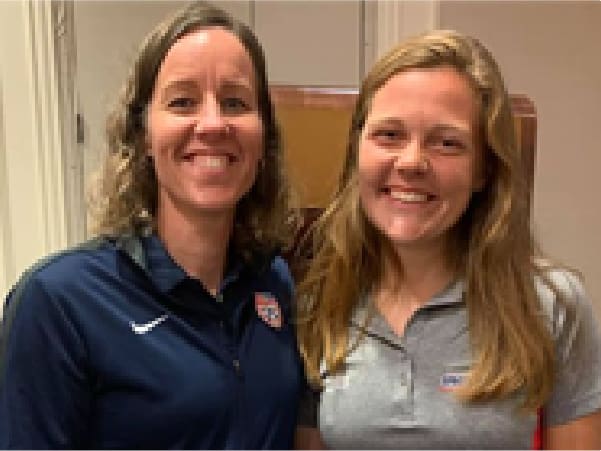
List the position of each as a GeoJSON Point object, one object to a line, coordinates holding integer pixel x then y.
{"type": "Point", "coordinates": [257, 145]}
{"type": "Point", "coordinates": [168, 131]}
{"type": "Point", "coordinates": [371, 174]}
{"type": "Point", "coordinates": [458, 181]}
{"type": "Point", "coordinates": [251, 137]}
{"type": "Point", "coordinates": [371, 168]}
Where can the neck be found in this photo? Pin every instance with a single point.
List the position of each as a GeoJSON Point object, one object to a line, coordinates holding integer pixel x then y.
{"type": "Point", "coordinates": [415, 275]}
{"type": "Point", "coordinates": [198, 243]}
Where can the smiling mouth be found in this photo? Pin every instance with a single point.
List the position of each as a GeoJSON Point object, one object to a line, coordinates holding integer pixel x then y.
{"type": "Point", "coordinates": [408, 196]}
{"type": "Point", "coordinates": [211, 161]}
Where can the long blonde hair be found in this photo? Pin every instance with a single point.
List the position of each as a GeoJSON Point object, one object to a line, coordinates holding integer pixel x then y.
{"type": "Point", "coordinates": [124, 199]}
{"type": "Point", "coordinates": [511, 346]}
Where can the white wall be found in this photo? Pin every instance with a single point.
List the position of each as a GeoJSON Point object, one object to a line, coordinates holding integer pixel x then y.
{"type": "Point", "coordinates": [311, 43]}
{"type": "Point", "coordinates": [551, 51]}
{"type": "Point", "coordinates": [107, 37]}
{"type": "Point", "coordinates": [32, 200]}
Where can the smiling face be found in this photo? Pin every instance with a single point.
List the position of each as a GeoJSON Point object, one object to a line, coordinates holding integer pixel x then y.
{"type": "Point", "coordinates": [419, 156]}
{"type": "Point", "coordinates": [205, 133]}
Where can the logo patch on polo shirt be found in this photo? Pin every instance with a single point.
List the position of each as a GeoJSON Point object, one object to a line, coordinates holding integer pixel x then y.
{"type": "Point", "coordinates": [451, 380]}
{"type": "Point", "coordinates": [455, 374]}
{"type": "Point", "coordinates": [268, 309]}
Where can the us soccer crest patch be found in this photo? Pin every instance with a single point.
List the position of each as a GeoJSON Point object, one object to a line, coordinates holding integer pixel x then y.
{"type": "Point", "coordinates": [268, 309]}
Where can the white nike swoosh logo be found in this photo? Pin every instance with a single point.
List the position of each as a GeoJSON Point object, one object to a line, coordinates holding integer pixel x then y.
{"type": "Point", "coordinates": [143, 328]}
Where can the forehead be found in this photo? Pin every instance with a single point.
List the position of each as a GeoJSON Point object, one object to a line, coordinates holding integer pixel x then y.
{"type": "Point", "coordinates": [441, 90]}
{"type": "Point", "coordinates": [208, 50]}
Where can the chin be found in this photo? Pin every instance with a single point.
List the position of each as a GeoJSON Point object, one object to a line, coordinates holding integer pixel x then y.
{"type": "Point", "coordinates": [215, 207]}
{"type": "Point", "coordinates": [416, 239]}
{"type": "Point", "coordinates": [214, 199]}
{"type": "Point", "coordinates": [405, 240]}
{"type": "Point", "coordinates": [212, 205]}
{"type": "Point", "coordinates": [406, 235]}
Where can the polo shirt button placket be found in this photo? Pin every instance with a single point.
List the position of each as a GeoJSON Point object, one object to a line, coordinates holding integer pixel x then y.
{"type": "Point", "coordinates": [235, 361]}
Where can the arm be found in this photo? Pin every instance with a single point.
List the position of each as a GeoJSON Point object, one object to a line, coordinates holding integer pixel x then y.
{"type": "Point", "coordinates": [44, 399]}
{"type": "Point", "coordinates": [572, 415]}
{"type": "Point", "coordinates": [307, 437]}
{"type": "Point", "coordinates": [582, 433]}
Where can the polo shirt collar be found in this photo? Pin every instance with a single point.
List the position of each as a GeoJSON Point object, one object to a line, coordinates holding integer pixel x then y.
{"type": "Point", "coordinates": [451, 295]}
{"type": "Point", "coordinates": [163, 270]}
{"type": "Point", "coordinates": [150, 254]}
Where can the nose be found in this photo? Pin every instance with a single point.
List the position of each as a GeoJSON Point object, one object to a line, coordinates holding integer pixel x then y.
{"type": "Point", "coordinates": [412, 158]}
{"type": "Point", "coordinates": [210, 120]}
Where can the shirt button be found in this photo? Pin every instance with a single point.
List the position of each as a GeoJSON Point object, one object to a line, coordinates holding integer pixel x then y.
{"type": "Point", "coordinates": [237, 365]}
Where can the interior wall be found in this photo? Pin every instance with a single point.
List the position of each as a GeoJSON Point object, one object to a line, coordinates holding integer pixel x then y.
{"type": "Point", "coordinates": [6, 255]}
{"type": "Point", "coordinates": [106, 40]}
{"type": "Point", "coordinates": [311, 42]}
{"type": "Point", "coordinates": [550, 51]}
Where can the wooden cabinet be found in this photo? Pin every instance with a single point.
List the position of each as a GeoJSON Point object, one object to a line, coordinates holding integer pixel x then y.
{"type": "Point", "coordinates": [315, 124]}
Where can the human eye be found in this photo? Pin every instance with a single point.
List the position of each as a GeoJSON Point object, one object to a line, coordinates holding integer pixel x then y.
{"type": "Point", "coordinates": [449, 144]}
{"type": "Point", "coordinates": [181, 103]}
{"type": "Point", "coordinates": [387, 133]}
{"type": "Point", "coordinates": [452, 143]}
{"type": "Point", "coordinates": [233, 105]}
{"type": "Point", "coordinates": [387, 136]}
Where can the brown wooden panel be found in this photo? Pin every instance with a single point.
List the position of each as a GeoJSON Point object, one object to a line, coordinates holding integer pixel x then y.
{"type": "Point", "coordinates": [525, 128]}
{"type": "Point", "coordinates": [315, 123]}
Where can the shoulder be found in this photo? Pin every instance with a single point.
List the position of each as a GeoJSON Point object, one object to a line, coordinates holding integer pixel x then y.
{"type": "Point", "coordinates": [562, 296]}
{"type": "Point", "coordinates": [553, 279]}
{"type": "Point", "coordinates": [54, 275]}
{"type": "Point", "coordinates": [570, 314]}
{"type": "Point", "coordinates": [277, 278]}
{"type": "Point", "coordinates": [44, 304]}
{"type": "Point", "coordinates": [577, 337]}
{"type": "Point", "coordinates": [61, 267]}
{"type": "Point", "coordinates": [280, 270]}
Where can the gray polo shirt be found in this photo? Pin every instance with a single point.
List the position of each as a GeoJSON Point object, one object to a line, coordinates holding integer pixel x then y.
{"type": "Point", "coordinates": [397, 392]}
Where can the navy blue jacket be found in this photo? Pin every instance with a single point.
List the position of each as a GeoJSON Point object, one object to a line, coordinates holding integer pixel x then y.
{"type": "Point", "coordinates": [111, 345]}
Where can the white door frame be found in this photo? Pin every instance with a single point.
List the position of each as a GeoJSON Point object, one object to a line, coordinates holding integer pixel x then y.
{"type": "Point", "coordinates": [34, 141]}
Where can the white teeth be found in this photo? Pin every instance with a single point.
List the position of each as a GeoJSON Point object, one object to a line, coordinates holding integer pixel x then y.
{"type": "Point", "coordinates": [408, 197]}
{"type": "Point", "coordinates": [212, 161]}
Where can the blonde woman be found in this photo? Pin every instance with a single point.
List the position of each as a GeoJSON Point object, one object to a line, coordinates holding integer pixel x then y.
{"type": "Point", "coordinates": [170, 329]}
{"type": "Point", "coordinates": [427, 318]}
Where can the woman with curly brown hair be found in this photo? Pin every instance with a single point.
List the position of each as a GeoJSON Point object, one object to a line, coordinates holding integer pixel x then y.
{"type": "Point", "coordinates": [427, 318]}
{"type": "Point", "coordinates": [172, 328]}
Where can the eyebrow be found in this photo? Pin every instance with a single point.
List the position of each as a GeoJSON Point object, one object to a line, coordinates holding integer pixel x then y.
{"type": "Point", "coordinates": [176, 85]}
{"type": "Point", "coordinates": [189, 85]}
{"type": "Point", "coordinates": [439, 126]}
{"type": "Point", "coordinates": [239, 84]}
{"type": "Point", "coordinates": [463, 129]}
{"type": "Point", "coordinates": [390, 121]}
